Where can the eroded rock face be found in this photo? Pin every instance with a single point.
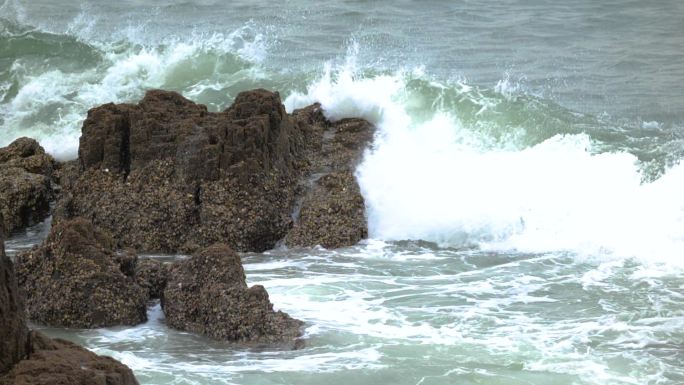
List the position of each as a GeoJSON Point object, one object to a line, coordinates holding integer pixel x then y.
{"type": "Point", "coordinates": [332, 211]}
{"type": "Point", "coordinates": [75, 279]}
{"type": "Point", "coordinates": [25, 183]}
{"type": "Point", "coordinates": [332, 215]}
{"type": "Point", "coordinates": [34, 359]}
{"type": "Point", "coordinates": [59, 362]}
{"type": "Point", "coordinates": [13, 331]}
{"type": "Point", "coordinates": [207, 294]}
{"type": "Point", "coordinates": [151, 275]}
{"type": "Point", "coordinates": [27, 154]}
{"type": "Point", "coordinates": [166, 175]}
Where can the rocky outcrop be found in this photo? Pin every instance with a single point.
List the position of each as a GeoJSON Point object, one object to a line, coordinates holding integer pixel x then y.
{"type": "Point", "coordinates": [76, 279]}
{"type": "Point", "coordinates": [332, 211]}
{"type": "Point", "coordinates": [13, 331]}
{"type": "Point", "coordinates": [166, 175]}
{"type": "Point", "coordinates": [151, 275]}
{"type": "Point", "coordinates": [34, 359]}
{"type": "Point", "coordinates": [59, 362]}
{"type": "Point", "coordinates": [207, 294]}
{"type": "Point", "coordinates": [332, 215]}
{"type": "Point", "coordinates": [25, 181]}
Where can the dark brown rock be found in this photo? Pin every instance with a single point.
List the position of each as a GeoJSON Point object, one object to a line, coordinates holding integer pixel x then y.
{"type": "Point", "coordinates": [332, 210]}
{"type": "Point", "coordinates": [75, 279]}
{"type": "Point", "coordinates": [27, 154]}
{"type": "Point", "coordinates": [151, 275]}
{"type": "Point", "coordinates": [166, 175]}
{"type": "Point", "coordinates": [13, 331]}
{"type": "Point", "coordinates": [332, 215]}
{"type": "Point", "coordinates": [25, 183]}
{"type": "Point", "coordinates": [207, 294]}
{"type": "Point", "coordinates": [59, 362]}
{"type": "Point", "coordinates": [34, 359]}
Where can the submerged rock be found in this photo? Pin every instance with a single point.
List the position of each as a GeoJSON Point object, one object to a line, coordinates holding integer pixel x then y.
{"type": "Point", "coordinates": [166, 175]}
{"type": "Point", "coordinates": [13, 331]}
{"type": "Point", "coordinates": [207, 294]}
{"type": "Point", "coordinates": [25, 182]}
{"type": "Point", "coordinates": [75, 279]}
{"type": "Point", "coordinates": [60, 362]}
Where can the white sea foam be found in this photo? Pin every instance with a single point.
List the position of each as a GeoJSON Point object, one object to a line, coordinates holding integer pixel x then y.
{"type": "Point", "coordinates": [51, 105]}
{"type": "Point", "coordinates": [494, 313]}
{"type": "Point", "coordinates": [13, 10]}
{"type": "Point", "coordinates": [435, 180]}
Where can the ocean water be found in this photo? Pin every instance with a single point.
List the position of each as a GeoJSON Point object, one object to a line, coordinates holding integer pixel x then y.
{"type": "Point", "coordinates": [524, 189]}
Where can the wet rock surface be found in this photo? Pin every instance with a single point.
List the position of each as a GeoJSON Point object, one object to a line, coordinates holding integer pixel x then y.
{"type": "Point", "coordinates": [207, 294]}
{"type": "Point", "coordinates": [59, 362]}
{"type": "Point", "coordinates": [151, 275]}
{"type": "Point", "coordinates": [13, 331]}
{"type": "Point", "coordinates": [25, 182]}
{"type": "Point", "coordinates": [30, 358]}
{"type": "Point", "coordinates": [332, 215]}
{"type": "Point", "coordinates": [76, 279]}
{"type": "Point", "coordinates": [166, 175]}
{"type": "Point", "coordinates": [332, 210]}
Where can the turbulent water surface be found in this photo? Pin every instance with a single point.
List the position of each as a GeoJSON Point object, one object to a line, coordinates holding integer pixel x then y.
{"type": "Point", "coordinates": [524, 190]}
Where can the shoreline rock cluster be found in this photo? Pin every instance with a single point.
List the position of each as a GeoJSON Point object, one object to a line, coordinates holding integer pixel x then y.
{"type": "Point", "coordinates": [31, 358]}
{"type": "Point", "coordinates": [166, 175]}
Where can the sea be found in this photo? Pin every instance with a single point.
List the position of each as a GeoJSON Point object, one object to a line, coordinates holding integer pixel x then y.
{"type": "Point", "coordinates": [524, 189]}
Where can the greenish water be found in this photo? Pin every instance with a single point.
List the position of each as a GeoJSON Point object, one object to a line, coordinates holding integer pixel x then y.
{"type": "Point", "coordinates": [524, 191]}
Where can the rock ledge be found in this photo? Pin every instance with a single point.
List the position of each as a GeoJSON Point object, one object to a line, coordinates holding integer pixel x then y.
{"type": "Point", "coordinates": [207, 294]}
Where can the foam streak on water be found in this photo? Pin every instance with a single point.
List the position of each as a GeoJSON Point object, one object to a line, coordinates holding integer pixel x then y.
{"type": "Point", "coordinates": [415, 314]}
